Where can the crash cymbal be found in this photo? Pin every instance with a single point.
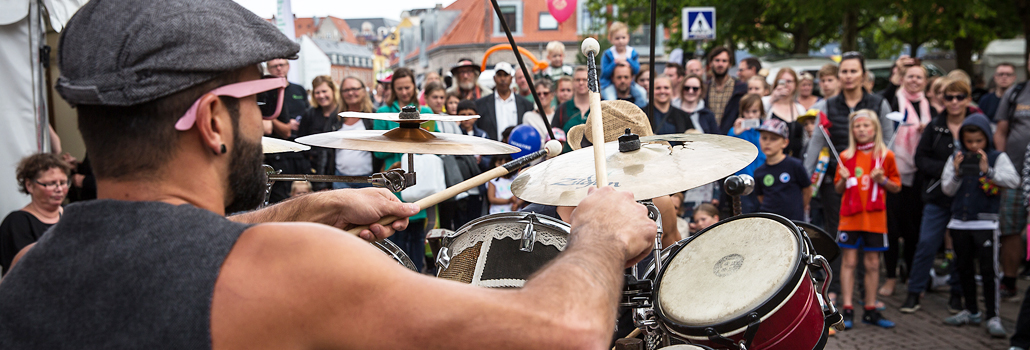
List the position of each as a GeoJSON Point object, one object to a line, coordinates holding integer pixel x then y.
{"type": "Point", "coordinates": [654, 170]}
{"type": "Point", "coordinates": [396, 117]}
{"type": "Point", "coordinates": [274, 145]}
{"type": "Point", "coordinates": [407, 140]}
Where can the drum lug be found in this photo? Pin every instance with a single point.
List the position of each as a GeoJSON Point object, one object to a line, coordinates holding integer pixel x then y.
{"type": "Point", "coordinates": [636, 293]}
{"type": "Point", "coordinates": [443, 259]}
{"type": "Point", "coordinates": [528, 234]}
{"type": "Point", "coordinates": [830, 314]}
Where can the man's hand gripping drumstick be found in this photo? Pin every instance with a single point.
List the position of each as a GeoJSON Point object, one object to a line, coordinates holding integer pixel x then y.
{"type": "Point", "coordinates": [551, 149]}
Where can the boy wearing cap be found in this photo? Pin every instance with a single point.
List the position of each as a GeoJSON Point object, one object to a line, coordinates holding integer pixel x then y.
{"type": "Point", "coordinates": [781, 183]}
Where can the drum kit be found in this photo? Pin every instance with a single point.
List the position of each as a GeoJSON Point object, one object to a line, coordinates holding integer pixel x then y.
{"type": "Point", "coordinates": [753, 281]}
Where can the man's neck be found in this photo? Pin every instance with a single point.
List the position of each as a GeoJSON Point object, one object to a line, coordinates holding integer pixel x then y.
{"type": "Point", "coordinates": [1000, 91]}
{"type": "Point", "coordinates": [677, 91]}
{"type": "Point", "coordinates": [503, 95]}
{"type": "Point", "coordinates": [581, 99]}
{"type": "Point", "coordinates": [624, 94]}
{"type": "Point", "coordinates": [719, 82]}
{"type": "Point", "coordinates": [773, 159]}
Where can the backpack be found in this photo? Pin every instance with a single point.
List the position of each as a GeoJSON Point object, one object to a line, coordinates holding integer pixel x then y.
{"type": "Point", "coordinates": [1012, 98]}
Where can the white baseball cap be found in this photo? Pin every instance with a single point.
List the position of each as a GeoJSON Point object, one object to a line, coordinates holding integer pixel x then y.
{"type": "Point", "coordinates": [506, 67]}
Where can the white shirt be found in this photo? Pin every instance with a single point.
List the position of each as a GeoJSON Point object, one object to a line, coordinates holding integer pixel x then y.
{"type": "Point", "coordinates": [505, 113]}
{"type": "Point", "coordinates": [351, 162]}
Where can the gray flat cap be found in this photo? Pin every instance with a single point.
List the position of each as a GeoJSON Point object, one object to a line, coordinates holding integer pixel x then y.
{"type": "Point", "coordinates": [127, 52]}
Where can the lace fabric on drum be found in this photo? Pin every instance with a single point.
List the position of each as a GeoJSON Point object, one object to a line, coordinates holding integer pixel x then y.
{"type": "Point", "coordinates": [486, 252]}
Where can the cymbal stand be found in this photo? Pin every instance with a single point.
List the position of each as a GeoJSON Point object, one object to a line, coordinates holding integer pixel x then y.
{"type": "Point", "coordinates": [736, 186]}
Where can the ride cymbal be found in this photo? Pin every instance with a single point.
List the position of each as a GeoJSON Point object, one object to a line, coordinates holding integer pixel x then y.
{"type": "Point", "coordinates": [653, 170]}
{"type": "Point", "coordinates": [407, 140]}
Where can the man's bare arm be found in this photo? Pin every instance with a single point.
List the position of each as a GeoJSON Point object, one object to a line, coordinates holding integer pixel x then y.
{"type": "Point", "coordinates": [342, 209]}
{"type": "Point", "coordinates": [1001, 135]}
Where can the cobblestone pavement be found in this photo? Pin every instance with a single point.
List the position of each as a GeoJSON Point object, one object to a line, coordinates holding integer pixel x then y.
{"type": "Point", "coordinates": [925, 328]}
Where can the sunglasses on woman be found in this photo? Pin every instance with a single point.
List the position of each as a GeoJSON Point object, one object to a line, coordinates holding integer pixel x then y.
{"type": "Point", "coordinates": [955, 97]}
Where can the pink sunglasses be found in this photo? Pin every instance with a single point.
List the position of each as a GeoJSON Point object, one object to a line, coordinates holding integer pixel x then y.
{"type": "Point", "coordinates": [238, 90]}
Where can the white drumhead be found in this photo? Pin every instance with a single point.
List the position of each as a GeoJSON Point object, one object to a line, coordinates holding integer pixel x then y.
{"type": "Point", "coordinates": [728, 271]}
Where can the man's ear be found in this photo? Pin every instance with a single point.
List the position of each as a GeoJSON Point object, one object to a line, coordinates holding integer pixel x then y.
{"type": "Point", "coordinates": [213, 123]}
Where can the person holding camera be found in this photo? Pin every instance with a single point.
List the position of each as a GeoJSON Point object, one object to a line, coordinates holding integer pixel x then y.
{"type": "Point", "coordinates": [936, 145]}
{"type": "Point", "coordinates": [974, 177]}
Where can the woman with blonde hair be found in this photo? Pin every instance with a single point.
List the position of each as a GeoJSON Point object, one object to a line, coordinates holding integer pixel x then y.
{"type": "Point", "coordinates": [806, 87]}
{"type": "Point", "coordinates": [782, 104]}
{"type": "Point", "coordinates": [321, 117]}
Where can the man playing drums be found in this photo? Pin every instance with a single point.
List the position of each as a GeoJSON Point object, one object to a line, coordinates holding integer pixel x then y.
{"type": "Point", "coordinates": [165, 97]}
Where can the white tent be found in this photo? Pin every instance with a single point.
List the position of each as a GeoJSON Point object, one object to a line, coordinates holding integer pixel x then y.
{"type": "Point", "coordinates": [311, 62]}
{"type": "Point", "coordinates": [1005, 50]}
{"type": "Point", "coordinates": [23, 94]}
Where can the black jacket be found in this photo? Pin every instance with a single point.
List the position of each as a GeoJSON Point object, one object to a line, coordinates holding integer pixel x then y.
{"type": "Point", "coordinates": [679, 119]}
{"type": "Point", "coordinates": [935, 146]}
{"type": "Point", "coordinates": [486, 107]}
{"type": "Point", "coordinates": [323, 160]}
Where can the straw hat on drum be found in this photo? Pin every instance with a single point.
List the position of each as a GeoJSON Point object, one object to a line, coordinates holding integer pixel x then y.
{"type": "Point", "coordinates": [618, 116]}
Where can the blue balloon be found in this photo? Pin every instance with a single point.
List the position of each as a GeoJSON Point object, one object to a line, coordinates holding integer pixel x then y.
{"type": "Point", "coordinates": [526, 138]}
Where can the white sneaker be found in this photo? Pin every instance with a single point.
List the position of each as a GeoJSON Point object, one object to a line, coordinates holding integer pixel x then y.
{"type": "Point", "coordinates": [995, 328]}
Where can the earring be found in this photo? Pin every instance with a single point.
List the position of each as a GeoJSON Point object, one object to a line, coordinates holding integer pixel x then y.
{"type": "Point", "coordinates": [223, 148]}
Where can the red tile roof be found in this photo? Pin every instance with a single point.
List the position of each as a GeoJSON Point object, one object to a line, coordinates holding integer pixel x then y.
{"type": "Point", "coordinates": [468, 28]}
{"type": "Point", "coordinates": [347, 33]}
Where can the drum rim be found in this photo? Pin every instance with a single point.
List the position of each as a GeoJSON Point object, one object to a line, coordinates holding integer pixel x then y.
{"type": "Point", "coordinates": [803, 225]}
{"type": "Point", "coordinates": [520, 215]}
{"type": "Point", "coordinates": [388, 247]}
{"type": "Point", "coordinates": [764, 309]}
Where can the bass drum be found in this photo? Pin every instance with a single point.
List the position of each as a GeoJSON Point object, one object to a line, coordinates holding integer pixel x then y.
{"type": "Point", "coordinates": [501, 250]}
{"type": "Point", "coordinates": [395, 253]}
{"type": "Point", "coordinates": [742, 279]}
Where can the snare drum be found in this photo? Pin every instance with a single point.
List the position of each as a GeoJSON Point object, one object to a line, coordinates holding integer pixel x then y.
{"type": "Point", "coordinates": [745, 277]}
{"type": "Point", "coordinates": [395, 253]}
{"type": "Point", "coordinates": [501, 250]}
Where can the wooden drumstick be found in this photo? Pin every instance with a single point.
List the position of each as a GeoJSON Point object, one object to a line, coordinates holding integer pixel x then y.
{"type": "Point", "coordinates": [551, 149]}
{"type": "Point", "coordinates": [597, 134]}
{"type": "Point", "coordinates": [590, 49]}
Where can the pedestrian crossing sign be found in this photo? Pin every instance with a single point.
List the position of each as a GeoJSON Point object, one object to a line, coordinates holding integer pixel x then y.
{"type": "Point", "coordinates": [699, 23]}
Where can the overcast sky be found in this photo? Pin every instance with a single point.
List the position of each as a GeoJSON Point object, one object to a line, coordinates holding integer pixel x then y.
{"type": "Point", "coordinates": [342, 9]}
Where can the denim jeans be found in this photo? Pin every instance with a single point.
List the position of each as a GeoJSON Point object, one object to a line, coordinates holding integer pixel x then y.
{"type": "Point", "coordinates": [931, 236]}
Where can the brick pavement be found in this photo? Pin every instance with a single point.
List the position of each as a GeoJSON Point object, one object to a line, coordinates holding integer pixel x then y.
{"type": "Point", "coordinates": [925, 328]}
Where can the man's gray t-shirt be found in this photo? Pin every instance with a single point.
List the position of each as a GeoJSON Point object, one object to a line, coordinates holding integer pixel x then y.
{"type": "Point", "coordinates": [1019, 125]}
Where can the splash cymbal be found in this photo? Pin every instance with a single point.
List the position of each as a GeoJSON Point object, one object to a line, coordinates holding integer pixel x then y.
{"type": "Point", "coordinates": [274, 145]}
{"type": "Point", "coordinates": [654, 170]}
{"type": "Point", "coordinates": [407, 140]}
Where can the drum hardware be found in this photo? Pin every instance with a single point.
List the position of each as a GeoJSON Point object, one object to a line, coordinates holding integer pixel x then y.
{"type": "Point", "coordinates": [551, 148]}
{"type": "Point", "coordinates": [443, 258]}
{"type": "Point", "coordinates": [749, 335]}
{"type": "Point", "coordinates": [395, 253]}
{"type": "Point", "coordinates": [831, 315]}
{"type": "Point", "coordinates": [736, 186]}
{"type": "Point", "coordinates": [528, 234]}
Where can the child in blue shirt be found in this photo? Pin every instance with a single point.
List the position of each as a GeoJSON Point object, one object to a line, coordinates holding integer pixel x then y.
{"type": "Point", "coordinates": [620, 52]}
{"type": "Point", "coordinates": [751, 110]}
{"type": "Point", "coordinates": [782, 184]}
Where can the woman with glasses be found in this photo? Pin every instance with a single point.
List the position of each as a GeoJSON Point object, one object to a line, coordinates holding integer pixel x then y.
{"type": "Point", "coordinates": [936, 145]}
{"type": "Point", "coordinates": [354, 97]}
{"type": "Point", "coordinates": [690, 101]}
{"type": "Point", "coordinates": [782, 104]}
{"type": "Point", "coordinates": [44, 177]}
